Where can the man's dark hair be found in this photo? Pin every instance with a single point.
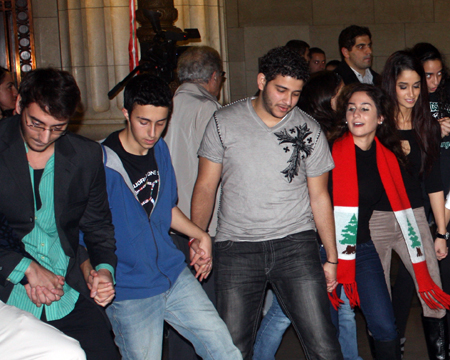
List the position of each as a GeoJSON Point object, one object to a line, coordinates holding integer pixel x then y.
{"type": "Point", "coordinates": [348, 36]}
{"type": "Point", "coordinates": [298, 45]}
{"type": "Point", "coordinates": [333, 63]}
{"type": "Point", "coordinates": [285, 62]}
{"type": "Point", "coordinates": [55, 91]}
{"type": "Point", "coordinates": [146, 89]}
{"type": "Point", "coordinates": [315, 50]}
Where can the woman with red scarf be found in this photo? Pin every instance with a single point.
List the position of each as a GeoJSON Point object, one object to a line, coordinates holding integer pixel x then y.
{"type": "Point", "coordinates": [365, 151]}
{"type": "Point", "coordinates": [404, 81]}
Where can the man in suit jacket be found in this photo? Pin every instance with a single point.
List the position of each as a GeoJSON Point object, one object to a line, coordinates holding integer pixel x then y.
{"type": "Point", "coordinates": [53, 186]}
{"type": "Point", "coordinates": [355, 44]}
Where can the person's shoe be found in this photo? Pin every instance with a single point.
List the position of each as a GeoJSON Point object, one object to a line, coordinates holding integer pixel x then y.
{"type": "Point", "coordinates": [436, 332]}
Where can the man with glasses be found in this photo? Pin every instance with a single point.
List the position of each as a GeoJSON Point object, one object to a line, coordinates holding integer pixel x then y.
{"type": "Point", "coordinates": [53, 186]}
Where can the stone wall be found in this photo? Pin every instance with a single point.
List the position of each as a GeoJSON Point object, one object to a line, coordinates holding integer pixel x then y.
{"type": "Point", "coordinates": [255, 26]}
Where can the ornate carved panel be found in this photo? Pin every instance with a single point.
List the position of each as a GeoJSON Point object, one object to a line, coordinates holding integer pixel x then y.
{"type": "Point", "coordinates": [17, 43]}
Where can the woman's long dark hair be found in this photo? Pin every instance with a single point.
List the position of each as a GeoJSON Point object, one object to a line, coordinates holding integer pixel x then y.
{"type": "Point", "coordinates": [426, 130]}
{"type": "Point", "coordinates": [316, 97]}
{"type": "Point", "coordinates": [425, 52]}
{"type": "Point", "coordinates": [8, 112]}
{"type": "Point", "coordinates": [386, 132]}
{"type": "Point", "coordinates": [3, 72]}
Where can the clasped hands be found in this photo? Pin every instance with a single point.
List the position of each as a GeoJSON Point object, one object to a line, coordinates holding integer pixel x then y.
{"type": "Point", "coordinates": [201, 256]}
{"type": "Point", "coordinates": [44, 287]}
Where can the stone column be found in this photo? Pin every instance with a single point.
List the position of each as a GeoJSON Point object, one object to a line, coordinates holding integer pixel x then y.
{"type": "Point", "coordinates": [94, 48]}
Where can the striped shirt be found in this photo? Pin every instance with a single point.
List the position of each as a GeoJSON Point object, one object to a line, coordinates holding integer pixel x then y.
{"type": "Point", "coordinates": [44, 245]}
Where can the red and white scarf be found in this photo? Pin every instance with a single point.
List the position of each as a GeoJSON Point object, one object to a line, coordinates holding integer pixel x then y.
{"type": "Point", "coordinates": [345, 198]}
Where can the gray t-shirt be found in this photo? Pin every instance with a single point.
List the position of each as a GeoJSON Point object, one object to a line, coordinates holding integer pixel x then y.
{"type": "Point", "coordinates": [264, 170]}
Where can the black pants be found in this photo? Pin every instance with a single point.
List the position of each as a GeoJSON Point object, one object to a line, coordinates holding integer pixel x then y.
{"type": "Point", "coordinates": [91, 328]}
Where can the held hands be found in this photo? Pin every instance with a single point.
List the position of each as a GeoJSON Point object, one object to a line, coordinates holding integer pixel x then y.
{"type": "Point", "coordinates": [330, 271]}
{"type": "Point", "coordinates": [445, 126]}
{"type": "Point", "coordinates": [43, 286]}
{"type": "Point", "coordinates": [101, 285]}
{"type": "Point", "coordinates": [201, 256]}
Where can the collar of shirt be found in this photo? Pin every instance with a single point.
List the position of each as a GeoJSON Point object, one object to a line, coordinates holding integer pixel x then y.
{"type": "Point", "coordinates": [366, 79]}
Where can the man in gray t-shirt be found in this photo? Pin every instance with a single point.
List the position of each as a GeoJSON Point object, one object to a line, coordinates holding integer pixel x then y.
{"type": "Point", "coordinates": [274, 161]}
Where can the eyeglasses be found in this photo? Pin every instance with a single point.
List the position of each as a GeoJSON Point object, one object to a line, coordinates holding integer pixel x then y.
{"type": "Point", "coordinates": [53, 130]}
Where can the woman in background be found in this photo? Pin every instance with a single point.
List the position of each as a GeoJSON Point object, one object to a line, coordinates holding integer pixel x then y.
{"type": "Point", "coordinates": [438, 86]}
{"type": "Point", "coordinates": [404, 81]}
{"type": "Point", "coordinates": [8, 93]}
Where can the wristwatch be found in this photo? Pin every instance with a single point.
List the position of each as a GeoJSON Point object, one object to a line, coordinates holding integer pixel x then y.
{"type": "Point", "coordinates": [441, 236]}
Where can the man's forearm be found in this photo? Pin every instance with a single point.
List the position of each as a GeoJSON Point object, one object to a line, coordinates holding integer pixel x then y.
{"type": "Point", "coordinates": [324, 218]}
{"type": "Point", "coordinates": [202, 205]}
{"type": "Point", "coordinates": [185, 226]}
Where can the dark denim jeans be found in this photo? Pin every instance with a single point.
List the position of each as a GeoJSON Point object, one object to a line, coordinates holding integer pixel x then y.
{"type": "Point", "coordinates": [373, 293]}
{"type": "Point", "coordinates": [292, 266]}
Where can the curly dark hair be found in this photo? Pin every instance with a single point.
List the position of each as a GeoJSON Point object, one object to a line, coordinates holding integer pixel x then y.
{"type": "Point", "coordinates": [146, 89]}
{"type": "Point", "coordinates": [386, 132]}
{"type": "Point", "coordinates": [55, 91]}
{"type": "Point", "coordinates": [348, 36]}
{"type": "Point", "coordinates": [316, 97]}
{"type": "Point", "coordinates": [285, 62]}
{"type": "Point", "coordinates": [425, 52]}
{"type": "Point", "coordinates": [426, 130]}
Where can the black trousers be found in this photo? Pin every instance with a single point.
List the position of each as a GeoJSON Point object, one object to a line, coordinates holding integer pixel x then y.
{"type": "Point", "coordinates": [91, 328]}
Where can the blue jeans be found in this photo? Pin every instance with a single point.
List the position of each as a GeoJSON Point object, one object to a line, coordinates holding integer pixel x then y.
{"type": "Point", "coordinates": [347, 329]}
{"type": "Point", "coordinates": [375, 302]}
{"type": "Point", "coordinates": [373, 293]}
{"type": "Point", "coordinates": [292, 266]}
{"type": "Point", "coordinates": [138, 324]}
{"type": "Point", "coordinates": [270, 332]}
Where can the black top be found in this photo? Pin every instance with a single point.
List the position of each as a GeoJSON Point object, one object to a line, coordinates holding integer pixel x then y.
{"type": "Point", "coordinates": [142, 170]}
{"type": "Point", "coordinates": [411, 178]}
{"type": "Point", "coordinates": [370, 188]}
{"type": "Point", "coordinates": [445, 142]}
{"type": "Point", "coordinates": [37, 174]}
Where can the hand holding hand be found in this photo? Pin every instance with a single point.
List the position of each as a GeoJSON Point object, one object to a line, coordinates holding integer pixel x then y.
{"type": "Point", "coordinates": [330, 271]}
{"type": "Point", "coordinates": [101, 285]}
{"type": "Point", "coordinates": [201, 256]}
{"type": "Point", "coordinates": [44, 287]}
